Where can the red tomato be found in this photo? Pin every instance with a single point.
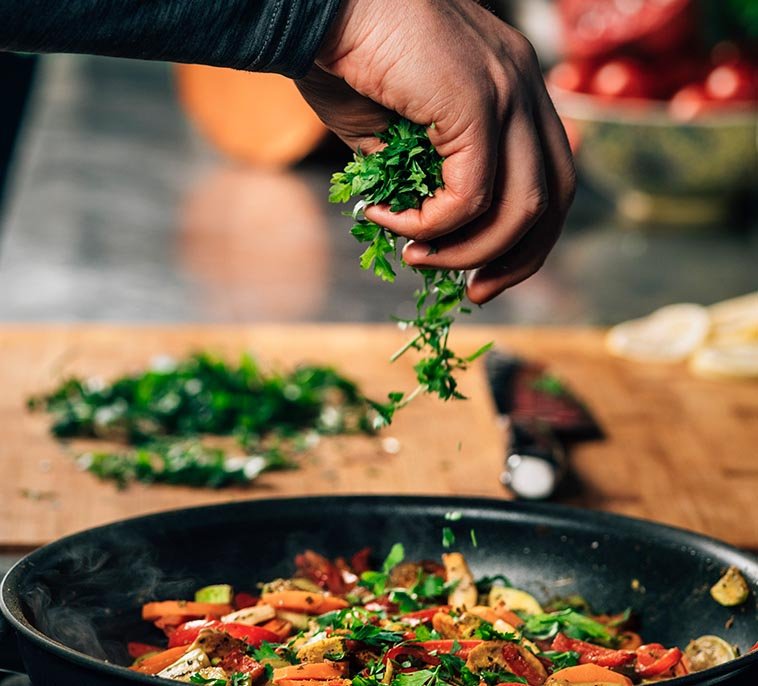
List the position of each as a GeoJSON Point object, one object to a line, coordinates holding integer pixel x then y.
{"type": "Point", "coordinates": [572, 76]}
{"type": "Point", "coordinates": [731, 83]}
{"type": "Point", "coordinates": [243, 600]}
{"type": "Point", "coordinates": [589, 652]}
{"type": "Point", "coordinates": [622, 78]}
{"type": "Point", "coordinates": [520, 666]}
{"type": "Point", "coordinates": [189, 631]}
{"type": "Point", "coordinates": [653, 660]}
{"type": "Point", "coordinates": [598, 27]}
{"type": "Point", "coordinates": [361, 561]}
{"type": "Point", "coordinates": [237, 661]}
{"type": "Point", "coordinates": [321, 571]}
{"type": "Point", "coordinates": [689, 103]}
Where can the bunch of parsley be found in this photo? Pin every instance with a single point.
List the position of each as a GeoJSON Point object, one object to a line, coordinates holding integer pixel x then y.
{"type": "Point", "coordinates": [402, 175]}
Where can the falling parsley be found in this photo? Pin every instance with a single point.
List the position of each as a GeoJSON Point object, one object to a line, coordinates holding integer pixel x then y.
{"type": "Point", "coordinates": [448, 537]}
{"type": "Point", "coordinates": [402, 175]}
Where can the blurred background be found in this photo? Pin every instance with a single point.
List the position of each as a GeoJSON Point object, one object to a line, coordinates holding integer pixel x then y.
{"type": "Point", "coordinates": [138, 191]}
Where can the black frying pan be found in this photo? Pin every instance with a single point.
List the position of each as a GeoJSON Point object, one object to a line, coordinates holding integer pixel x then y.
{"type": "Point", "coordinates": [75, 603]}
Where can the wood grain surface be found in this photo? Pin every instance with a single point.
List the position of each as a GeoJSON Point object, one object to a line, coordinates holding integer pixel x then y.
{"type": "Point", "coordinates": [678, 450]}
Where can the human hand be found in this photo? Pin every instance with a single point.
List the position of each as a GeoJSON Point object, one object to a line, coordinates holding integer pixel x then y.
{"type": "Point", "coordinates": [508, 173]}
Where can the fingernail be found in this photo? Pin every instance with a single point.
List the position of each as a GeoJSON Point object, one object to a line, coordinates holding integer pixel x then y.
{"type": "Point", "coordinates": [417, 251]}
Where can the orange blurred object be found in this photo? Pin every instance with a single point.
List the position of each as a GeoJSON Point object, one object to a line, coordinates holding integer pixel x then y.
{"type": "Point", "coordinates": [257, 118]}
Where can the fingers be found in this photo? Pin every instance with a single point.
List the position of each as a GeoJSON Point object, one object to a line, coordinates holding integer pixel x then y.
{"type": "Point", "coordinates": [468, 173]}
{"type": "Point", "coordinates": [520, 199]}
{"type": "Point", "coordinates": [353, 117]}
{"type": "Point", "coordinates": [530, 253]}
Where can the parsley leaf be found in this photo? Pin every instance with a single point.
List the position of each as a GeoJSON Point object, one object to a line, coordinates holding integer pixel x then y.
{"type": "Point", "coordinates": [448, 537]}
{"type": "Point", "coordinates": [568, 658]}
{"type": "Point", "coordinates": [572, 623]}
{"type": "Point", "coordinates": [377, 581]}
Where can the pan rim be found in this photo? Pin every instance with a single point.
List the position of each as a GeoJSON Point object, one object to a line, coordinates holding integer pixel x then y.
{"type": "Point", "coordinates": [578, 518]}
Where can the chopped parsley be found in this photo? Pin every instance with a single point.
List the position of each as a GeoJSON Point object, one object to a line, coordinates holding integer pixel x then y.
{"type": "Point", "coordinates": [377, 581]}
{"type": "Point", "coordinates": [570, 622]}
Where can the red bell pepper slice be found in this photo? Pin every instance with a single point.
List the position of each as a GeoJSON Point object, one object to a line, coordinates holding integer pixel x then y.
{"type": "Point", "coordinates": [189, 631]}
{"type": "Point", "coordinates": [415, 653]}
{"type": "Point", "coordinates": [653, 660]}
{"type": "Point", "coordinates": [446, 646]}
{"type": "Point", "coordinates": [589, 652]}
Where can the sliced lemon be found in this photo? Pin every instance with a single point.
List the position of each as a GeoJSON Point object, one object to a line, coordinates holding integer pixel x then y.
{"type": "Point", "coordinates": [670, 334]}
{"type": "Point", "coordinates": [737, 361]}
{"type": "Point", "coordinates": [735, 320]}
{"type": "Point", "coordinates": [708, 651]}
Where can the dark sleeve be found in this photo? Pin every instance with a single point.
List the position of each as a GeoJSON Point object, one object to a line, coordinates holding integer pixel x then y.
{"type": "Point", "coordinates": [257, 35]}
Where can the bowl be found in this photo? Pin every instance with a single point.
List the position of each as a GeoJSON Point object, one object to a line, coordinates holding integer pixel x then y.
{"type": "Point", "coordinates": [658, 170]}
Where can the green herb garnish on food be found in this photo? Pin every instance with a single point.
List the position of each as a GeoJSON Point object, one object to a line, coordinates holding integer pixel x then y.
{"type": "Point", "coordinates": [377, 582]}
{"type": "Point", "coordinates": [168, 412]}
{"type": "Point", "coordinates": [573, 624]}
{"type": "Point", "coordinates": [402, 175]}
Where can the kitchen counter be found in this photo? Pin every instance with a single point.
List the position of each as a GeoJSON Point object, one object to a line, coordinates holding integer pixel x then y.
{"type": "Point", "coordinates": [677, 450]}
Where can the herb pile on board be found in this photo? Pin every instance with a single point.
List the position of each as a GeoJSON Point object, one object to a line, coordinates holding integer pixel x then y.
{"type": "Point", "coordinates": [402, 175]}
{"type": "Point", "coordinates": [168, 412]}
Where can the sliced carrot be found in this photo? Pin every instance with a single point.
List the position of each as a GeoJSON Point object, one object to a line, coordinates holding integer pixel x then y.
{"type": "Point", "coordinates": [318, 671]}
{"type": "Point", "coordinates": [157, 663]}
{"type": "Point", "coordinates": [588, 675]}
{"type": "Point", "coordinates": [183, 608]}
{"type": "Point", "coordinates": [281, 627]}
{"type": "Point", "coordinates": [304, 601]}
{"type": "Point", "coordinates": [138, 650]}
{"type": "Point", "coordinates": [314, 682]}
{"type": "Point", "coordinates": [507, 615]}
{"type": "Point", "coordinates": [485, 613]}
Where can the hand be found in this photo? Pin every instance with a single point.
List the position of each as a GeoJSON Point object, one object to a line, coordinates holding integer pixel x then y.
{"type": "Point", "coordinates": [508, 173]}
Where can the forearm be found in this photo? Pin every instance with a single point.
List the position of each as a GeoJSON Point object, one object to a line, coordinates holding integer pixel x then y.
{"type": "Point", "coordinates": [258, 35]}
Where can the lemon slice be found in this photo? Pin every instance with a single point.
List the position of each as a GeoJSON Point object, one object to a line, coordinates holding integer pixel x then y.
{"type": "Point", "coordinates": [735, 320]}
{"type": "Point", "coordinates": [670, 334]}
{"type": "Point", "coordinates": [738, 361]}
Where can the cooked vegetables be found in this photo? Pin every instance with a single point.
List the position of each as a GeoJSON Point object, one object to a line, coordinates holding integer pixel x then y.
{"type": "Point", "coordinates": [731, 589]}
{"type": "Point", "coordinates": [168, 411]}
{"type": "Point", "coordinates": [341, 623]}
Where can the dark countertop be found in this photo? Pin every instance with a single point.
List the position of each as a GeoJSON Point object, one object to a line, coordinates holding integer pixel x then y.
{"type": "Point", "coordinates": [119, 211]}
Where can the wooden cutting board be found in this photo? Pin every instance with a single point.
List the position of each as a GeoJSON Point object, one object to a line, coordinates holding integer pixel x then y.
{"type": "Point", "coordinates": [678, 450]}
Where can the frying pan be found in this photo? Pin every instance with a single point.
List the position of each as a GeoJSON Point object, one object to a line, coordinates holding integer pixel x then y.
{"type": "Point", "coordinates": [75, 602]}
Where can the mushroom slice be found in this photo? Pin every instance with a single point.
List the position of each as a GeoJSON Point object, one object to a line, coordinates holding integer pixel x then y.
{"type": "Point", "coordinates": [251, 615]}
{"type": "Point", "coordinates": [188, 664]}
{"type": "Point", "coordinates": [210, 674]}
{"type": "Point", "coordinates": [332, 648]}
{"type": "Point", "coordinates": [457, 571]}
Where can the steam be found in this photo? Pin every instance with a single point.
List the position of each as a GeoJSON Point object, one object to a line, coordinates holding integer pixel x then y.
{"type": "Point", "coordinates": [89, 596]}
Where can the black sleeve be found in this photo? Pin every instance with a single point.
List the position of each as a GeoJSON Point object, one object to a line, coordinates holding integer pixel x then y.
{"type": "Point", "coordinates": [257, 35]}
